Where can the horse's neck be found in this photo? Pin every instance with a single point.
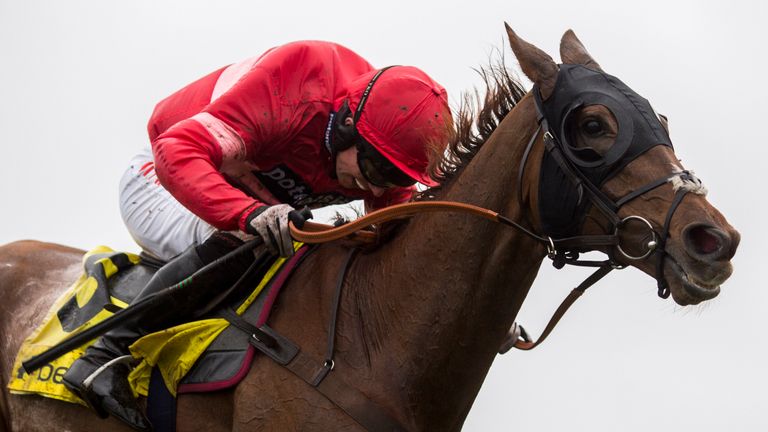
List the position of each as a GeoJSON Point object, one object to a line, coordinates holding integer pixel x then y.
{"type": "Point", "coordinates": [437, 300]}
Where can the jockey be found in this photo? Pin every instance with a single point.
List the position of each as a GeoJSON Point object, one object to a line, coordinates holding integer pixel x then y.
{"type": "Point", "coordinates": [305, 124]}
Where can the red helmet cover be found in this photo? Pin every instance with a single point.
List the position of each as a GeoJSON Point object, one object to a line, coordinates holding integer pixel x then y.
{"type": "Point", "coordinates": [405, 114]}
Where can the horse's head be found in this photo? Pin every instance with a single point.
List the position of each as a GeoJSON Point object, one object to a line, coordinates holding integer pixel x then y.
{"type": "Point", "coordinates": [608, 169]}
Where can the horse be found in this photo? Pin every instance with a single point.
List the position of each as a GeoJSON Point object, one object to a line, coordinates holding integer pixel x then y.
{"type": "Point", "coordinates": [423, 313]}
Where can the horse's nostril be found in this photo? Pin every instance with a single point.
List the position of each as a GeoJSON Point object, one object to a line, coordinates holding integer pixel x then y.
{"type": "Point", "coordinates": [705, 240]}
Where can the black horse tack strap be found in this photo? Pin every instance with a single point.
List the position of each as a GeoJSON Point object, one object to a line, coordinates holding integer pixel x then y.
{"type": "Point", "coordinates": [318, 374]}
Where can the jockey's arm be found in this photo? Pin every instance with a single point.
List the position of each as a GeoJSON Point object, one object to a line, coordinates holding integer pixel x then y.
{"type": "Point", "coordinates": [190, 154]}
{"type": "Point", "coordinates": [187, 164]}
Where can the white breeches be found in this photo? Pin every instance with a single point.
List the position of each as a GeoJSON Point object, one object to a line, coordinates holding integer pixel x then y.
{"type": "Point", "coordinates": [162, 226]}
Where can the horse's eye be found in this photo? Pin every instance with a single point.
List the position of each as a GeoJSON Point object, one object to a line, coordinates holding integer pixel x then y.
{"type": "Point", "coordinates": [592, 128]}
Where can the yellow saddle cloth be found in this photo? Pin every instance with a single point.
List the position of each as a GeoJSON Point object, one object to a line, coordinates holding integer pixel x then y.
{"type": "Point", "coordinates": [87, 302]}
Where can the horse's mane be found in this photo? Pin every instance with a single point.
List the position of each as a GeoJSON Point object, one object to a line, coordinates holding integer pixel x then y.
{"type": "Point", "coordinates": [475, 120]}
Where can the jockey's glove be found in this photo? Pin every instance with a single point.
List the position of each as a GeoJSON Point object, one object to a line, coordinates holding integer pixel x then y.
{"type": "Point", "coordinates": [271, 223]}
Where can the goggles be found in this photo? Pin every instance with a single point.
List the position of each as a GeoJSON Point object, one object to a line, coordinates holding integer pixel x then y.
{"type": "Point", "coordinates": [377, 169]}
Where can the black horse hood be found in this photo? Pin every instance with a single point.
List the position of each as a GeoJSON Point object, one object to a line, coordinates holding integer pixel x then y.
{"type": "Point", "coordinates": [561, 202]}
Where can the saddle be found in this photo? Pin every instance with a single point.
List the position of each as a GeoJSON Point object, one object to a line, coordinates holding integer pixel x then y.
{"type": "Point", "coordinates": [203, 355]}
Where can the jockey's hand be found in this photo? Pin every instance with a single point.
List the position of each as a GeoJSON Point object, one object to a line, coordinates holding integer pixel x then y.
{"type": "Point", "coordinates": [271, 223]}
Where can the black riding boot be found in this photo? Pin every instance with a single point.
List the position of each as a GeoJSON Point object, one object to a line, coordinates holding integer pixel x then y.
{"type": "Point", "coordinates": [100, 376]}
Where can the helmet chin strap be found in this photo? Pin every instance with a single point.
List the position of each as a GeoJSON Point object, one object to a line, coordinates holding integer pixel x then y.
{"type": "Point", "coordinates": [339, 136]}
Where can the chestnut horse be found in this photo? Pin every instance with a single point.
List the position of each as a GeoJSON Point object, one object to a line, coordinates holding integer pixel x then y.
{"type": "Point", "coordinates": [422, 315]}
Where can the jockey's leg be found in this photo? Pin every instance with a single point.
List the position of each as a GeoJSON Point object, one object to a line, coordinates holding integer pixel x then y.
{"type": "Point", "coordinates": [106, 389]}
{"type": "Point", "coordinates": [163, 228]}
{"type": "Point", "coordinates": [160, 224]}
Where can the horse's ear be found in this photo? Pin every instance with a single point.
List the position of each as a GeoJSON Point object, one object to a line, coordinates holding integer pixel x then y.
{"type": "Point", "coordinates": [572, 51]}
{"type": "Point", "coordinates": [535, 63]}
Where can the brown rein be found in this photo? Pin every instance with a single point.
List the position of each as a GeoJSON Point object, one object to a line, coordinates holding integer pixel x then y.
{"type": "Point", "coordinates": [314, 233]}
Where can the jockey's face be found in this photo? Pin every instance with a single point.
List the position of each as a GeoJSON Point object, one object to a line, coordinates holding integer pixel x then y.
{"type": "Point", "coordinates": [349, 175]}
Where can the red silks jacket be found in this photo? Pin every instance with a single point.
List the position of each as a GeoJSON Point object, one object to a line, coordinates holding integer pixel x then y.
{"type": "Point", "coordinates": [253, 133]}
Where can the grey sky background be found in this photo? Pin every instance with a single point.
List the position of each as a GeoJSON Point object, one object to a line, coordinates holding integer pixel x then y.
{"type": "Point", "coordinates": [79, 79]}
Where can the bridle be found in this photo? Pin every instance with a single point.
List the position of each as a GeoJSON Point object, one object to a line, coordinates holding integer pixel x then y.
{"type": "Point", "coordinates": [583, 170]}
{"type": "Point", "coordinates": [566, 250]}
